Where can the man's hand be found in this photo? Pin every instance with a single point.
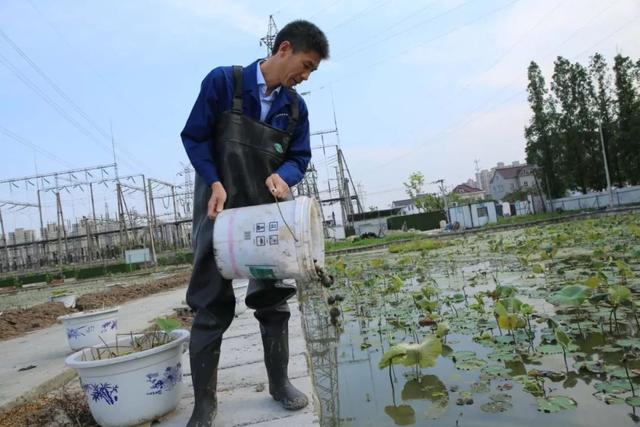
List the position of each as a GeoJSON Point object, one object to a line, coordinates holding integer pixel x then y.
{"type": "Point", "coordinates": [277, 186]}
{"type": "Point", "coordinates": [216, 202]}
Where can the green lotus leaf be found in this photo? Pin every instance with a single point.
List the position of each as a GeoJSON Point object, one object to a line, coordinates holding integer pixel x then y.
{"type": "Point", "coordinates": [550, 349]}
{"type": "Point", "coordinates": [628, 342]}
{"type": "Point", "coordinates": [621, 373]}
{"type": "Point", "coordinates": [469, 364]}
{"type": "Point", "coordinates": [572, 295]}
{"type": "Point", "coordinates": [442, 330]}
{"type": "Point", "coordinates": [480, 387]}
{"type": "Point", "coordinates": [619, 294]}
{"type": "Point", "coordinates": [613, 387]}
{"type": "Point", "coordinates": [563, 338]}
{"type": "Point", "coordinates": [494, 407]}
{"type": "Point", "coordinates": [595, 366]}
{"type": "Point", "coordinates": [402, 415]}
{"type": "Point", "coordinates": [633, 401]}
{"type": "Point", "coordinates": [424, 354]}
{"type": "Point", "coordinates": [555, 403]}
{"type": "Point", "coordinates": [495, 371]}
{"type": "Point", "coordinates": [167, 325]}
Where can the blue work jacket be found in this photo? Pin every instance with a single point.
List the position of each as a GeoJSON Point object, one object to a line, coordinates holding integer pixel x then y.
{"type": "Point", "coordinates": [216, 96]}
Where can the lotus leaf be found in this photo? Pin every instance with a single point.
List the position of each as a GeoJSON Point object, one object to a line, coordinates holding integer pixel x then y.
{"type": "Point", "coordinates": [633, 401]}
{"type": "Point", "coordinates": [572, 295]}
{"type": "Point", "coordinates": [555, 403]}
{"type": "Point", "coordinates": [402, 415]}
{"type": "Point", "coordinates": [424, 354]}
{"type": "Point", "coordinates": [613, 387]}
{"type": "Point", "coordinates": [618, 295]}
{"type": "Point", "coordinates": [469, 364]}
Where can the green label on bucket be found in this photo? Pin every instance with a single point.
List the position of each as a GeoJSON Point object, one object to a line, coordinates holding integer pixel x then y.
{"type": "Point", "coordinates": [262, 273]}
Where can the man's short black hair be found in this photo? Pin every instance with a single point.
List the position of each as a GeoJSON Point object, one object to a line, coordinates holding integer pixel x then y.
{"type": "Point", "coordinates": [304, 36]}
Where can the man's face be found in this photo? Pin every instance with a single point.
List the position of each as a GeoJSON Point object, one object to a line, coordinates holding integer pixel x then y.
{"type": "Point", "coordinates": [297, 67]}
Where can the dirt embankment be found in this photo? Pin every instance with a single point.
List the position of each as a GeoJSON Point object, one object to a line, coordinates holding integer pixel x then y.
{"type": "Point", "coordinates": [15, 323]}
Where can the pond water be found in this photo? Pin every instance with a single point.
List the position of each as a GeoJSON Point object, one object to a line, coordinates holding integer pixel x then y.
{"type": "Point", "coordinates": [482, 377]}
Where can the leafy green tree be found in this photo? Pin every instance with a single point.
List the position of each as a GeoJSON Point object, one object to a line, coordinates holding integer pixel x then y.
{"type": "Point", "coordinates": [542, 144]}
{"type": "Point", "coordinates": [605, 113]}
{"type": "Point", "coordinates": [567, 87]}
{"type": "Point", "coordinates": [628, 129]}
{"type": "Point", "coordinates": [414, 187]}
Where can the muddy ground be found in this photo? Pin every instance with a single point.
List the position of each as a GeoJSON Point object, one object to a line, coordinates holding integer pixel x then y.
{"type": "Point", "coordinates": [17, 322]}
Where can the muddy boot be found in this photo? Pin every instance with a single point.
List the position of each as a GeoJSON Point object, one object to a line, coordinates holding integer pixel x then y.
{"type": "Point", "coordinates": [204, 374]}
{"type": "Point", "coordinates": [276, 359]}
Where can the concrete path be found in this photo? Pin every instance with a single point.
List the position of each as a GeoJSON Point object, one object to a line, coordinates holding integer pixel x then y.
{"type": "Point", "coordinates": [241, 376]}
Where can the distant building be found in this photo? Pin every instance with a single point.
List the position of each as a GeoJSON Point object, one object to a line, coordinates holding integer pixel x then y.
{"type": "Point", "coordinates": [508, 179]}
{"type": "Point", "coordinates": [407, 207]}
{"type": "Point", "coordinates": [468, 192]}
{"type": "Point", "coordinates": [373, 221]}
{"type": "Point", "coordinates": [21, 235]}
{"type": "Point", "coordinates": [483, 179]}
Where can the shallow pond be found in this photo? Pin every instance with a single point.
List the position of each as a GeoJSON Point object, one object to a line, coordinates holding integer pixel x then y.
{"type": "Point", "coordinates": [484, 375]}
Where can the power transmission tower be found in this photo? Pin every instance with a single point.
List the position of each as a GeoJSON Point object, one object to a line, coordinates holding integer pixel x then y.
{"type": "Point", "coordinates": [270, 38]}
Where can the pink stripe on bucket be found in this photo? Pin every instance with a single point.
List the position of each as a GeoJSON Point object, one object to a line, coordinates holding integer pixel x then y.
{"type": "Point", "coordinates": [230, 245]}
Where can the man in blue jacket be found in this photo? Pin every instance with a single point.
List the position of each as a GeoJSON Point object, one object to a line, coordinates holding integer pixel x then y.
{"type": "Point", "coordinates": [248, 139]}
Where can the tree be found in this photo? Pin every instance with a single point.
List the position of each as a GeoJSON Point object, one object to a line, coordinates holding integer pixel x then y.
{"type": "Point", "coordinates": [541, 149]}
{"type": "Point", "coordinates": [604, 106]}
{"type": "Point", "coordinates": [566, 86]}
{"type": "Point", "coordinates": [413, 187]}
{"type": "Point", "coordinates": [628, 109]}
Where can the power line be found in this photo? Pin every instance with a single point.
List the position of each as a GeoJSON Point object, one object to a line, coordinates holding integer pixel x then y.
{"type": "Point", "coordinates": [55, 87]}
{"type": "Point", "coordinates": [31, 85]}
{"type": "Point", "coordinates": [25, 142]}
{"type": "Point", "coordinates": [376, 43]}
{"type": "Point", "coordinates": [474, 115]}
{"type": "Point", "coordinates": [359, 14]}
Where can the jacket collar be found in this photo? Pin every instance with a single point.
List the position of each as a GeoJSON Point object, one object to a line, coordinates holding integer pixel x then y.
{"type": "Point", "coordinates": [250, 85]}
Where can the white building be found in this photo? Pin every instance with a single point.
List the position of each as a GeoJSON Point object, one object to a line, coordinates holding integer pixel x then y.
{"type": "Point", "coordinates": [508, 179]}
{"type": "Point", "coordinates": [473, 215]}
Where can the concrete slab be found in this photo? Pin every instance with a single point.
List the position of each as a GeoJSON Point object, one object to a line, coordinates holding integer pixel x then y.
{"type": "Point", "coordinates": [242, 374]}
{"type": "Point", "coordinates": [242, 399]}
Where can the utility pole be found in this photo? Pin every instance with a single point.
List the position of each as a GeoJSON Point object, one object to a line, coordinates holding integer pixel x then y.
{"type": "Point", "coordinates": [147, 198]}
{"type": "Point", "coordinates": [270, 38]}
{"type": "Point", "coordinates": [606, 165]}
{"type": "Point", "coordinates": [4, 242]}
{"type": "Point", "coordinates": [62, 228]}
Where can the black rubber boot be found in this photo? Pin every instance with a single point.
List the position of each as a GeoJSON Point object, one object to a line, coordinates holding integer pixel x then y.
{"type": "Point", "coordinates": [204, 374]}
{"type": "Point", "coordinates": [276, 359]}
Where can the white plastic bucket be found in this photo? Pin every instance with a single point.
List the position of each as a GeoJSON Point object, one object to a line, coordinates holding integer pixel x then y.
{"type": "Point", "coordinates": [240, 291]}
{"type": "Point", "coordinates": [134, 388]}
{"type": "Point", "coordinates": [254, 242]}
{"type": "Point", "coordinates": [90, 328]}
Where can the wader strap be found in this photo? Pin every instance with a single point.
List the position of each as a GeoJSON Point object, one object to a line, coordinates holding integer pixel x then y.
{"type": "Point", "coordinates": [295, 111]}
{"type": "Point", "coordinates": [237, 89]}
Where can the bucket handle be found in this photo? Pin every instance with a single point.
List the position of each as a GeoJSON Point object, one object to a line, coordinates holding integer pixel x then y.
{"type": "Point", "coordinates": [284, 220]}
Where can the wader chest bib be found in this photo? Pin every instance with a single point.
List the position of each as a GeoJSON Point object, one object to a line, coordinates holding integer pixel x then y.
{"type": "Point", "coordinates": [247, 151]}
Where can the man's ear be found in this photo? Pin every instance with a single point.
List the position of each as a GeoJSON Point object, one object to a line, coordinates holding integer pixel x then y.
{"type": "Point", "coordinates": [284, 48]}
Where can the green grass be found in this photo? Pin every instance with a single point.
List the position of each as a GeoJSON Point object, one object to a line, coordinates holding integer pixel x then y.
{"type": "Point", "coordinates": [519, 219]}
{"type": "Point", "coordinates": [358, 243]}
{"type": "Point", "coordinates": [418, 245]}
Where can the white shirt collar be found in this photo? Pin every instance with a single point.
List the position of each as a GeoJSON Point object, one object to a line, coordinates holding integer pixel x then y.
{"type": "Point", "coordinates": [262, 84]}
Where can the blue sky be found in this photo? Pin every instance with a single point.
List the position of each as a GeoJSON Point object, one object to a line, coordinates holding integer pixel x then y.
{"type": "Point", "coordinates": [424, 86]}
